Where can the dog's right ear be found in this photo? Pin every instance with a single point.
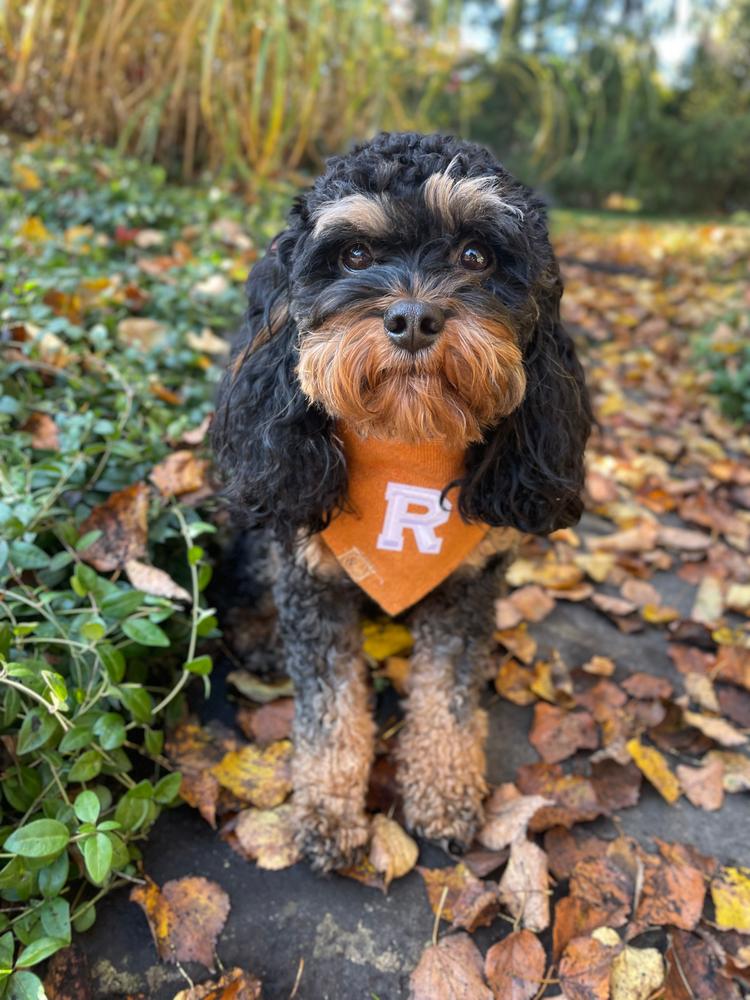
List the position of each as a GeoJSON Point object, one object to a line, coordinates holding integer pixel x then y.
{"type": "Point", "coordinates": [282, 466]}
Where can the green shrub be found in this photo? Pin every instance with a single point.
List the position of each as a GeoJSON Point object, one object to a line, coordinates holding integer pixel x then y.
{"type": "Point", "coordinates": [725, 352]}
{"type": "Point", "coordinates": [90, 666]}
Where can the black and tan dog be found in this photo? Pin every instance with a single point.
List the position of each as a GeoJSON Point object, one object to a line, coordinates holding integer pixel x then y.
{"type": "Point", "coordinates": [410, 310]}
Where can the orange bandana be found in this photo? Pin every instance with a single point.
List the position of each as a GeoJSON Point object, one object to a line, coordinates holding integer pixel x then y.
{"type": "Point", "coordinates": [399, 543]}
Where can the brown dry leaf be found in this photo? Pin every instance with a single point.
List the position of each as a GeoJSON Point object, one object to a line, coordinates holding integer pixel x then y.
{"type": "Point", "coordinates": [557, 734]}
{"type": "Point", "coordinates": [597, 565]}
{"type": "Point", "coordinates": [672, 894]}
{"type": "Point", "coordinates": [233, 985]}
{"type": "Point", "coordinates": [637, 973]}
{"type": "Point", "coordinates": [266, 836]}
{"type": "Point", "coordinates": [543, 682]}
{"type": "Point", "coordinates": [392, 850]}
{"type": "Point", "coordinates": [717, 729]}
{"type": "Point", "coordinates": [640, 592]}
{"type": "Point", "coordinates": [260, 777]}
{"type": "Point", "coordinates": [452, 969]}
{"type": "Point", "coordinates": [123, 522]}
{"type": "Point", "coordinates": [730, 891]}
{"type": "Point", "coordinates": [482, 862]}
{"type": "Point", "coordinates": [641, 538]}
{"type": "Point", "coordinates": [514, 967]}
{"type": "Point", "coordinates": [702, 692]}
{"type": "Point", "coordinates": [507, 614]}
{"type": "Point", "coordinates": [736, 770]}
{"type": "Point", "coordinates": [155, 581]}
{"type": "Point", "coordinates": [642, 685]}
{"type": "Point", "coordinates": [397, 670]}
{"type": "Point", "coordinates": [708, 606]}
{"type": "Point", "coordinates": [607, 884]}
{"type": "Point", "coordinates": [514, 683]}
{"type": "Point", "coordinates": [565, 849]}
{"type": "Point", "coordinates": [257, 689]}
{"type": "Point", "coordinates": [519, 642]}
{"type": "Point", "coordinates": [186, 917]}
{"type": "Point", "coordinates": [694, 970]}
{"type": "Point", "coordinates": [585, 969]}
{"type": "Point", "coordinates": [599, 666]}
{"type": "Point", "coordinates": [196, 435]}
{"type": "Point", "coordinates": [733, 665]}
{"type": "Point", "coordinates": [703, 786]}
{"type": "Point", "coordinates": [655, 769]}
{"type": "Point", "coordinates": [43, 430]}
{"type": "Point", "coordinates": [507, 815]}
{"type": "Point", "coordinates": [267, 723]}
{"type": "Point", "coordinates": [683, 538]}
{"type": "Point", "coordinates": [467, 901]}
{"type": "Point", "coordinates": [68, 976]}
{"type": "Point", "coordinates": [193, 750]}
{"type": "Point", "coordinates": [140, 331]}
{"type": "Point", "coordinates": [181, 472]}
{"type": "Point", "coordinates": [533, 602]}
{"type": "Point", "coordinates": [617, 786]}
{"type": "Point", "coordinates": [207, 342]}
{"type": "Point", "coordinates": [573, 796]}
{"type": "Point", "coordinates": [524, 887]}
{"type": "Point", "coordinates": [364, 873]}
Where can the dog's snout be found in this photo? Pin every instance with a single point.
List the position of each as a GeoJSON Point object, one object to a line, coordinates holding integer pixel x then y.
{"type": "Point", "coordinates": [413, 325]}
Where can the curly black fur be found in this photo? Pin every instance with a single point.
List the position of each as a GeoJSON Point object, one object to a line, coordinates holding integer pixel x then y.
{"type": "Point", "coordinates": [283, 465]}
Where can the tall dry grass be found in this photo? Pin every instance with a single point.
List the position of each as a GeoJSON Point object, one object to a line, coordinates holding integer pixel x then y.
{"type": "Point", "coordinates": [252, 87]}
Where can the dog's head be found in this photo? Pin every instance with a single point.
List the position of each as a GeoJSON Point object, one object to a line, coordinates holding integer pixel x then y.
{"type": "Point", "coordinates": [415, 296]}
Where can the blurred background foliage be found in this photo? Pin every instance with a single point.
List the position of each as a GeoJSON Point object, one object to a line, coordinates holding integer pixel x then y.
{"type": "Point", "coordinates": [622, 104]}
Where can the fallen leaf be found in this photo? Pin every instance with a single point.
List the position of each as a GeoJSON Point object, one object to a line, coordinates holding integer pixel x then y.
{"type": "Point", "coordinates": [736, 770]}
{"type": "Point", "coordinates": [365, 873]}
{"type": "Point", "coordinates": [730, 891]}
{"type": "Point", "coordinates": [694, 970]}
{"type": "Point", "coordinates": [637, 973]}
{"type": "Point", "coordinates": [266, 836]}
{"type": "Point", "coordinates": [524, 887]}
{"type": "Point", "coordinates": [573, 797]}
{"type": "Point", "coordinates": [392, 850]}
{"type": "Point", "coordinates": [206, 342]}
{"type": "Point", "coordinates": [599, 666]}
{"type": "Point", "coordinates": [703, 786]}
{"type": "Point", "coordinates": [68, 976]}
{"type": "Point", "coordinates": [507, 815]}
{"type": "Point", "coordinates": [181, 472]}
{"type": "Point", "coordinates": [565, 849]}
{"type": "Point", "coordinates": [141, 332]}
{"type": "Point", "coordinates": [702, 692]}
{"type": "Point", "coordinates": [617, 786]}
{"type": "Point", "coordinates": [708, 606]}
{"type": "Point", "coordinates": [152, 580]}
{"type": "Point", "coordinates": [193, 750]}
{"type": "Point", "coordinates": [212, 286]}
{"type": "Point", "coordinates": [267, 723]}
{"type": "Point", "coordinates": [533, 602]}
{"type": "Point", "coordinates": [507, 615]}
{"type": "Point", "coordinates": [514, 683]}
{"type": "Point", "coordinates": [258, 689]}
{"type": "Point", "coordinates": [585, 969]}
{"type": "Point", "coordinates": [616, 606]}
{"type": "Point", "coordinates": [733, 665]}
{"type": "Point", "coordinates": [233, 985]}
{"type": "Point", "coordinates": [462, 899]}
{"type": "Point", "coordinates": [260, 777]}
{"type": "Point", "coordinates": [123, 522]}
{"type": "Point", "coordinates": [43, 431]}
{"type": "Point", "coordinates": [557, 734]}
{"type": "Point", "coordinates": [640, 592]}
{"type": "Point", "coordinates": [641, 538]}
{"type": "Point", "coordinates": [514, 967]}
{"type": "Point", "coordinates": [384, 639]}
{"type": "Point", "coordinates": [452, 969]}
{"type": "Point", "coordinates": [683, 538]}
{"type": "Point", "coordinates": [518, 641]}
{"type": "Point", "coordinates": [641, 685]}
{"type": "Point", "coordinates": [482, 862]}
{"type": "Point", "coordinates": [716, 729]}
{"type": "Point", "coordinates": [186, 917]}
{"type": "Point", "coordinates": [196, 435]}
{"type": "Point", "coordinates": [671, 894]}
{"type": "Point", "coordinates": [397, 670]}
{"type": "Point", "coordinates": [655, 769]}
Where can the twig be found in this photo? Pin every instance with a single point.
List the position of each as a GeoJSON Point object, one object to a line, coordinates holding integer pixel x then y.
{"type": "Point", "coordinates": [438, 914]}
{"type": "Point", "coordinates": [298, 978]}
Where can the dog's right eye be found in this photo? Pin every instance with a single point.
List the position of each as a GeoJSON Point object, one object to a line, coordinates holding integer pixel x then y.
{"type": "Point", "coordinates": [356, 257]}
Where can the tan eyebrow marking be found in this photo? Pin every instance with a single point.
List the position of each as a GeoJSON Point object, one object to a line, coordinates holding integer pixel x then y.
{"type": "Point", "coordinates": [367, 213]}
{"type": "Point", "coordinates": [454, 200]}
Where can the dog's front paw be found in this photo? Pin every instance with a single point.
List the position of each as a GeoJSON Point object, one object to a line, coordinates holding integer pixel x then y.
{"type": "Point", "coordinates": [330, 839]}
{"type": "Point", "coordinates": [451, 816]}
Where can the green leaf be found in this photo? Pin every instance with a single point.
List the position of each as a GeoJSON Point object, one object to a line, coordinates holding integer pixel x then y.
{"type": "Point", "coordinates": [167, 789]}
{"type": "Point", "coordinates": [60, 561]}
{"type": "Point", "coordinates": [85, 920]}
{"type": "Point", "coordinates": [38, 950]}
{"type": "Point", "coordinates": [122, 604]}
{"type": "Point", "coordinates": [113, 661]}
{"type": "Point", "coordinates": [6, 954]}
{"type": "Point", "coordinates": [154, 741]}
{"type": "Point", "coordinates": [207, 625]}
{"type": "Point", "coordinates": [37, 729]}
{"type": "Point", "coordinates": [137, 701]}
{"type": "Point", "coordinates": [143, 631]}
{"type": "Point", "coordinates": [21, 786]}
{"type": "Point", "coordinates": [195, 554]}
{"type": "Point", "coordinates": [75, 738]}
{"type": "Point", "coordinates": [87, 807]}
{"type": "Point", "coordinates": [40, 839]}
{"type": "Point", "coordinates": [97, 853]}
{"type": "Point", "coordinates": [87, 766]}
{"type": "Point", "coordinates": [25, 986]}
{"type": "Point", "coordinates": [110, 730]}
{"type": "Point", "coordinates": [55, 917]}
{"type": "Point", "coordinates": [200, 665]}
{"type": "Point", "coordinates": [53, 878]}
{"type": "Point", "coordinates": [88, 539]}
{"type": "Point", "coordinates": [26, 555]}
{"type": "Point", "coordinates": [93, 630]}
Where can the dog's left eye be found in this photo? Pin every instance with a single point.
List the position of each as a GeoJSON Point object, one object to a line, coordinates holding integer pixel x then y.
{"type": "Point", "coordinates": [356, 257]}
{"type": "Point", "coordinates": [475, 257]}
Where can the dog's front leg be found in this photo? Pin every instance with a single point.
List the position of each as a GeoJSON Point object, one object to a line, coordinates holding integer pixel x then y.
{"type": "Point", "coordinates": [333, 726]}
{"type": "Point", "coordinates": [441, 747]}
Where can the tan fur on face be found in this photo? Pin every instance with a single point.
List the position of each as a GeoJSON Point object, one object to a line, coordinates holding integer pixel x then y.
{"type": "Point", "coordinates": [472, 376]}
{"type": "Point", "coordinates": [441, 761]}
{"type": "Point", "coordinates": [458, 200]}
{"type": "Point", "coordinates": [367, 214]}
{"type": "Point", "coordinates": [330, 773]}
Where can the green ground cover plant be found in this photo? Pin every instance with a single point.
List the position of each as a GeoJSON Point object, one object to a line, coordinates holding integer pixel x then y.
{"type": "Point", "coordinates": [115, 289]}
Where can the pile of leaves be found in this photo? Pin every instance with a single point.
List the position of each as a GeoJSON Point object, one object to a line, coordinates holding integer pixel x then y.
{"type": "Point", "coordinates": [114, 292]}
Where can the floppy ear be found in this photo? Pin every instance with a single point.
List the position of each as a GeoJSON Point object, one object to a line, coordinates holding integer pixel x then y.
{"type": "Point", "coordinates": [281, 466]}
{"type": "Point", "coordinates": [529, 473]}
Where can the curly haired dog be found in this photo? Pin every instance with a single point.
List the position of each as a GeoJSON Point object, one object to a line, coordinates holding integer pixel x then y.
{"type": "Point", "coordinates": [409, 309]}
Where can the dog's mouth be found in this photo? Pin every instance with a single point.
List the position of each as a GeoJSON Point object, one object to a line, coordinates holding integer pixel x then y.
{"type": "Point", "coordinates": [452, 388]}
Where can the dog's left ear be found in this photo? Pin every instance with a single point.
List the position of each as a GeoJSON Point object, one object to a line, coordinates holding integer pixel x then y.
{"type": "Point", "coordinates": [529, 473]}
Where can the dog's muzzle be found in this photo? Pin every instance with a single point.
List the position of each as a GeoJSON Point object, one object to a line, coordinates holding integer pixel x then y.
{"type": "Point", "coordinates": [413, 325]}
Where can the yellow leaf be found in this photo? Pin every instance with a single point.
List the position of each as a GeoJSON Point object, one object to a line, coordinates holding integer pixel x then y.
{"type": "Point", "coordinates": [34, 231]}
{"type": "Point", "coordinates": [392, 851]}
{"type": "Point", "coordinates": [267, 836]}
{"type": "Point", "coordinates": [653, 765]}
{"type": "Point", "coordinates": [730, 891]}
{"type": "Point", "coordinates": [261, 777]}
{"type": "Point", "coordinates": [25, 178]}
{"type": "Point", "coordinates": [636, 974]}
{"type": "Point", "coordinates": [382, 640]}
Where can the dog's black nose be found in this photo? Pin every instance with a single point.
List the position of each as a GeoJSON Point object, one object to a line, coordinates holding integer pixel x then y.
{"type": "Point", "coordinates": [413, 325]}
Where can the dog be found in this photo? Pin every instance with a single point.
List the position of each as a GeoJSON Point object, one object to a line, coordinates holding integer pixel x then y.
{"type": "Point", "coordinates": [402, 405]}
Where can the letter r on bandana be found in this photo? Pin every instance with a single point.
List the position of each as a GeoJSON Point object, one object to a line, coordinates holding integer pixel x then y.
{"type": "Point", "coordinates": [400, 515]}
